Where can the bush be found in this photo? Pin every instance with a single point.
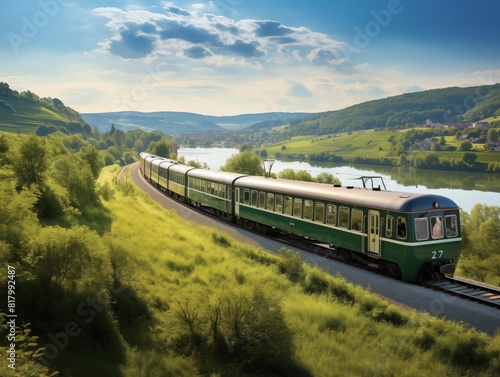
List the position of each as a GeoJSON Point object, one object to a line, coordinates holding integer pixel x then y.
{"type": "Point", "coordinates": [290, 264]}
{"type": "Point", "coordinates": [315, 282]}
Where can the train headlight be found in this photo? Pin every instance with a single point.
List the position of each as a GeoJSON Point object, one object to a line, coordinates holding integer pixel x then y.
{"type": "Point", "coordinates": [435, 205]}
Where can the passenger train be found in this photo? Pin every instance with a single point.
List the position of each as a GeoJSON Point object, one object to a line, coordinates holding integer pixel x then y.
{"type": "Point", "coordinates": [416, 236]}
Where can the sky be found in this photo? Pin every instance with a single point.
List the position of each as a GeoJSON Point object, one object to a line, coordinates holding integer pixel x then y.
{"type": "Point", "coordinates": [229, 57]}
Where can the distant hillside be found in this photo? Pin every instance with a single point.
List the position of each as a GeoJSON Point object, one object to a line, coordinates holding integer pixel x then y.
{"type": "Point", "coordinates": [25, 112]}
{"type": "Point", "coordinates": [439, 105]}
{"type": "Point", "coordinates": [171, 122]}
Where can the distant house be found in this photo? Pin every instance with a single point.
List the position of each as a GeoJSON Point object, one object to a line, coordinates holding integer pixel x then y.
{"type": "Point", "coordinates": [460, 126]}
{"type": "Point", "coordinates": [480, 125]}
{"type": "Point", "coordinates": [423, 145]}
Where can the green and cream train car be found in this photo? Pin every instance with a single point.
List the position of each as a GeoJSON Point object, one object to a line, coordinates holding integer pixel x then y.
{"type": "Point", "coordinates": [414, 235]}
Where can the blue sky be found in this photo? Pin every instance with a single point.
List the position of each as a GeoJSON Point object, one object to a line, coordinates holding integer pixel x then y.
{"type": "Point", "coordinates": [227, 57]}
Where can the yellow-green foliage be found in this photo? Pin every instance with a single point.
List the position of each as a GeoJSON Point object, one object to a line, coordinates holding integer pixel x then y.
{"type": "Point", "coordinates": [181, 271]}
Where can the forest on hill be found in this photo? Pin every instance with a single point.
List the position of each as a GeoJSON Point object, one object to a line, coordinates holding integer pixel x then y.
{"type": "Point", "coordinates": [448, 105]}
{"type": "Point", "coordinates": [26, 112]}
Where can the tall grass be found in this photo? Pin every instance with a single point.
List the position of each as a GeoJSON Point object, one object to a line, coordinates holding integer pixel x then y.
{"type": "Point", "coordinates": [338, 329]}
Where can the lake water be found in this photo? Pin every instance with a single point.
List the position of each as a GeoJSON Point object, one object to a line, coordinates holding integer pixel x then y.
{"type": "Point", "coordinates": [466, 189]}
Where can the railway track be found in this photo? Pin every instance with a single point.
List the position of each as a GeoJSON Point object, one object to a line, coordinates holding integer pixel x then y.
{"type": "Point", "coordinates": [468, 289]}
{"type": "Point", "coordinates": [460, 287]}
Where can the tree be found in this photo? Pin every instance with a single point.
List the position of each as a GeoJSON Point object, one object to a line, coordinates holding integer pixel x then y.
{"type": "Point", "coordinates": [481, 241]}
{"type": "Point", "coordinates": [469, 158]}
{"type": "Point", "coordinates": [160, 148]}
{"type": "Point", "coordinates": [255, 330]}
{"type": "Point", "coordinates": [59, 257]}
{"type": "Point", "coordinates": [244, 163]}
{"type": "Point", "coordinates": [75, 175]}
{"type": "Point", "coordinates": [90, 154]}
{"type": "Point", "coordinates": [17, 217]}
{"type": "Point", "coordinates": [432, 161]}
{"type": "Point", "coordinates": [287, 173]}
{"type": "Point", "coordinates": [303, 175]}
{"type": "Point", "coordinates": [327, 178]}
{"type": "Point", "coordinates": [403, 161]}
{"type": "Point", "coordinates": [493, 135]}
{"type": "Point", "coordinates": [465, 145]}
{"type": "Point", "coordinates": [30, 161]}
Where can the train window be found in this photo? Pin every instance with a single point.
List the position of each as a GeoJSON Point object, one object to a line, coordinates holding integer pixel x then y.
{"type": "Point", "coordinates": [422, 228]}
{"type": "Point", "coordinates": [254, 198]}
{"type": "Point", "coordinates": [308, 209]}
{"type": "Point", "coordinates": [270, 202]}
{"type": "Point", "coordinates": [262, 199]}
{"type": "Point", "coordinates": [288, 205]}
{"type": "Point", "coordinates": [297, 207]}
{"type": "Point", "coordinates": [437, 227]}
{"type": "Point", "coordinates": [389, 225]}
{"type": "Point", "coordinates": [357, 219]}
{"type": "Point", "coordinates": [343, 217]}
{"type": "Point", "coordinates": [331, 214]}
{"type": "Point", "coordinates": [278, 200]}
{"type": "Point", "coordinates": [223, 191]}
{"type": "Point", "coordinates": [451, 225]}
{"type": "Point", "coordinates": [402, 228]}
{"type": "Point", "coordinates": [319, 213]}
{"type": "Point", "coordinates": [246, 196]}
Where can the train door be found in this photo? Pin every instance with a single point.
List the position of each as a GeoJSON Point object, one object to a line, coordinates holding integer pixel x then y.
{"type": "Point", "coordinates": [374, 232]}
{"type": "Point", "coordinates": [237, 202]}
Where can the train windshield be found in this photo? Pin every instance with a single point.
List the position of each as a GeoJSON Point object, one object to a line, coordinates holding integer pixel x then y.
{"type": "Point", "coordinates": [436, 227]}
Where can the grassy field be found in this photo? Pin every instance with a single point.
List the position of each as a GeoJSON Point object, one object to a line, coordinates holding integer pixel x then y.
{"type": "Point", "coordinates": [169, 265]}
{"type": "Point", "coordinates": [28, 117]}
{"type": "Point", "coordinates": [363, 144]}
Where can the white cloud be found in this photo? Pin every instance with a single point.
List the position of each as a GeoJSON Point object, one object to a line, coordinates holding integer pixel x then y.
{"type": "Point", "coordinates": [141, 33]}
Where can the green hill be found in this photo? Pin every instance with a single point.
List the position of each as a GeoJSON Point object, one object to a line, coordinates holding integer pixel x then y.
{"type": "Point", "coordinates": [25, 112]}
{"type": "Point", "coordinates": [446, 106]}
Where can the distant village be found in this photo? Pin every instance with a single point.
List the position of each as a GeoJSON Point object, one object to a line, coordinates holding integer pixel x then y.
{"type": "Point", "coordinates": [482, 138]}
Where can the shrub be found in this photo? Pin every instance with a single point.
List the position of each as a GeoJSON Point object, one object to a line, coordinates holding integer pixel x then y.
{"type": "Point", "coordinates": [315, 282]}
{"type": "Point", "coordinates": [290, 264]}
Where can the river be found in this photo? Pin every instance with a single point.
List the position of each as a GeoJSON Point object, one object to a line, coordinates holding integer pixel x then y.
{"type": "Point", "coordinates": [466, 189]}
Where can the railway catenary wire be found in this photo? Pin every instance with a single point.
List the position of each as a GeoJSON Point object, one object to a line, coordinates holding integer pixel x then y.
{"type": "Point", "coordinates": [458, 287]}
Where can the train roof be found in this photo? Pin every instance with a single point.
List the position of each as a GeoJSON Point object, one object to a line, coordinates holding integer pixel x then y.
{"type": "Point", "coordinates": [151, 157]}
{"type": "Point", "coordinates": [217, 176]}
{"type": "Point", "coordinates": [165, 162]}
{"type": "Point", "coordinates": [363, 197]}
{"type": "Point", "coordinates": [179, 168]}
